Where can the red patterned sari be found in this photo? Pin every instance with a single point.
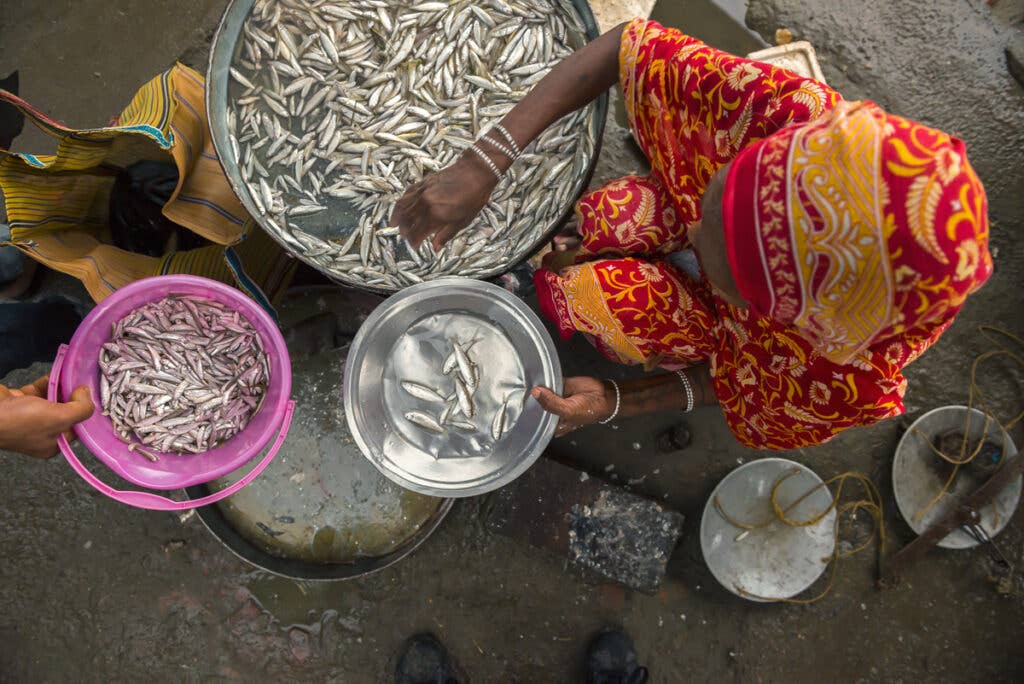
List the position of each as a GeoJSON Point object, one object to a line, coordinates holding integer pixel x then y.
{"type": "Point", "coordinates": [693, 109]}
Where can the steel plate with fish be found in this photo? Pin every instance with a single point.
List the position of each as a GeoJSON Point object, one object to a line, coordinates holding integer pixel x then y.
{"type": "Point", "coordinates": [918, 474]}
{"type": "Point", "coordinates": [437, 382]}
{"type": "Point", "coordinates": [322, 114]}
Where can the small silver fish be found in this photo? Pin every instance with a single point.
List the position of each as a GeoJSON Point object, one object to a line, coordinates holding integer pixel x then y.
{"type": "Point", "coordinates": [473, 378]}
{"type": "Point", "coordinates": [132, 446]}
{"type": "Point", "coordinates": [451, 361]}
{"type": "Point", "coordinates": [463, 362]}
{"type": "Point", "coordinates": [424, 421]}
{"type": "Point", "coordinates": [449, 410]}
{"type": "Point", "coordinates": [465, 398]}
{"type": "Point", "coordinates": [498, 424]}
{"type": "Point", "coordinates": [420, 391]}
{"type": "Point", "coordinates": [237, 75]}
{"type": "Point", "coordinates": [306, 209]}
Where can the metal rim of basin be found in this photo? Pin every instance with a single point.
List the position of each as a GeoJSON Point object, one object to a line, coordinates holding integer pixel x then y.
{"type": "Point", "coordinates": [222, 49]}
{"type": "Point", "coordinates": [811, 544]}
{"type": "Point", "coordinates": [910, 459]}
{"type": "Point", "coordinates": [218, 525]}
{"type": "Point", "coordinates": [409, 467]}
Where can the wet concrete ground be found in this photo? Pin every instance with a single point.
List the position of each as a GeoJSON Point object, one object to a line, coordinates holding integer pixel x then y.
{"type": "Point", "coordinates": [93, 591]}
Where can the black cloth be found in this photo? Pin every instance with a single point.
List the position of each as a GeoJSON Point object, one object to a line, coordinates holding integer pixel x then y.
{"type": "Point", "coordinates": [32, 331]}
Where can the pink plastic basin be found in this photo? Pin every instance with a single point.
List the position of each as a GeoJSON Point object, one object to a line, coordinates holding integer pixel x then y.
{"type": "Point", "coordinates": [78, 364]}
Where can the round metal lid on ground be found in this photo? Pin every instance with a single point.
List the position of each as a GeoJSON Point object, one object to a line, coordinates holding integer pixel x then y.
{"type": "Point", "coordinates": [918, 474]}
{"type": "Point", "coordinates": [466, 431]}
{"type": "Point", "coordinates": [776, 561]}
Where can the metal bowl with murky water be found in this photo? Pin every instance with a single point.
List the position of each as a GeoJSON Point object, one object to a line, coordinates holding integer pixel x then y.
{"type": "Point", "coordinates": [407, 340]}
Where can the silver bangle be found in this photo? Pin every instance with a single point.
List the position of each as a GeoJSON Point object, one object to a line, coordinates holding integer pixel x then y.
{"type": "Point", "coordinates": [504, 149]}
{"type": "Point", "coordinates": [487, 160]}
{"type": "Point", "coordinates": [618, 403]}
{"type": "Point", "coordinates": [508, 136]}
{"type": "Point", "coordinates": [688, 388]}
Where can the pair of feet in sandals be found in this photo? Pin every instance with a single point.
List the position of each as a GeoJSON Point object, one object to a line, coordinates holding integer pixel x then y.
{"type": "Point", "coordinates": [611, 659]}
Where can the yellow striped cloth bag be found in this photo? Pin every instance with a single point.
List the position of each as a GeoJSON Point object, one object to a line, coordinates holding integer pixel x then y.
{"type": "Point", "coordinates": [57, 204]}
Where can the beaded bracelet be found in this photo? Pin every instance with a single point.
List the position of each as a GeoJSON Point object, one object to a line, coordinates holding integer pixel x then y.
{"type": "Point", "coordinates": [508, 136]}
{"type": "Point", "coordinates": [688, 388]}
{"type": "Point", "coordinates": [504, 149]}
{"type": "Point", "coordinates": [618, 403]}
{"type": "Point", "coordinates": [487, 160]}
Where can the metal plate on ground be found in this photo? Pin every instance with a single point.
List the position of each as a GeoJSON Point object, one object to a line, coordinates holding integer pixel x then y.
{"type": "Point", "coordinates": [777, 561]}
{"type": "Point", "coordinates": [320, 510]}
{"type": "Point", "coordinates": [408, 339]}
{"type": "Point", "coordinates": [918, 475]}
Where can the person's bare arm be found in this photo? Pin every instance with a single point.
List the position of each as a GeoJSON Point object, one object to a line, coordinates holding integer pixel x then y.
{"type": "Point", "coordinates": [445, 202]}
{"type": "Point", "coordinates": [589, 400]}
{"type": "Point", "coordinates": [575, 82]}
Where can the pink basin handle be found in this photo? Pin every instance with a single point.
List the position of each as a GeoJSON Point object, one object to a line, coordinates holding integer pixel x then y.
{"type": "Point", "coordinates": [155, 502]}
{"type": "Point", "coordinates": [58, 363]}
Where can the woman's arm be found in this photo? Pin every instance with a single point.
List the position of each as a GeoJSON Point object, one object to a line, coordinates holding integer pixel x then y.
{"type": "Point", "coordinates": [445, 202]}
{"type": "Point", "coordinates": [590, 400]}
{"type": "Point", "coordinates": [572, 84]}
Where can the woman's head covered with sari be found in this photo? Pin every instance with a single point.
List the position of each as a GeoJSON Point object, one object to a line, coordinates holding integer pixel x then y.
{"type": "Point", "coordinates": [856, 227]}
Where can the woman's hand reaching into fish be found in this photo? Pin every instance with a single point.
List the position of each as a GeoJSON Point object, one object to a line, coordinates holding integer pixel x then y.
{"type": "Point", "coordinates": [443, 203]}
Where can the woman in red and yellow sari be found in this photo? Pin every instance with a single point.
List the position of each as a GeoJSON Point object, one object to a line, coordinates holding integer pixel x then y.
{"type": "Point", "coordinates": [789, 253]}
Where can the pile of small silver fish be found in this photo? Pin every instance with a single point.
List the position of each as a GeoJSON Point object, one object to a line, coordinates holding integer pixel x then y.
{"type": "Point", "coordinates": [181, 375]}
{"type": "Point", "coordinates": [465, 383]}
{"type": "Point", "coordinates": [341, 104]}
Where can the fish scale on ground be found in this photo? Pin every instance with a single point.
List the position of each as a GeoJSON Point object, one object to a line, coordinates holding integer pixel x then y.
{"type": "Point", "coordinates": [356, 100]}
